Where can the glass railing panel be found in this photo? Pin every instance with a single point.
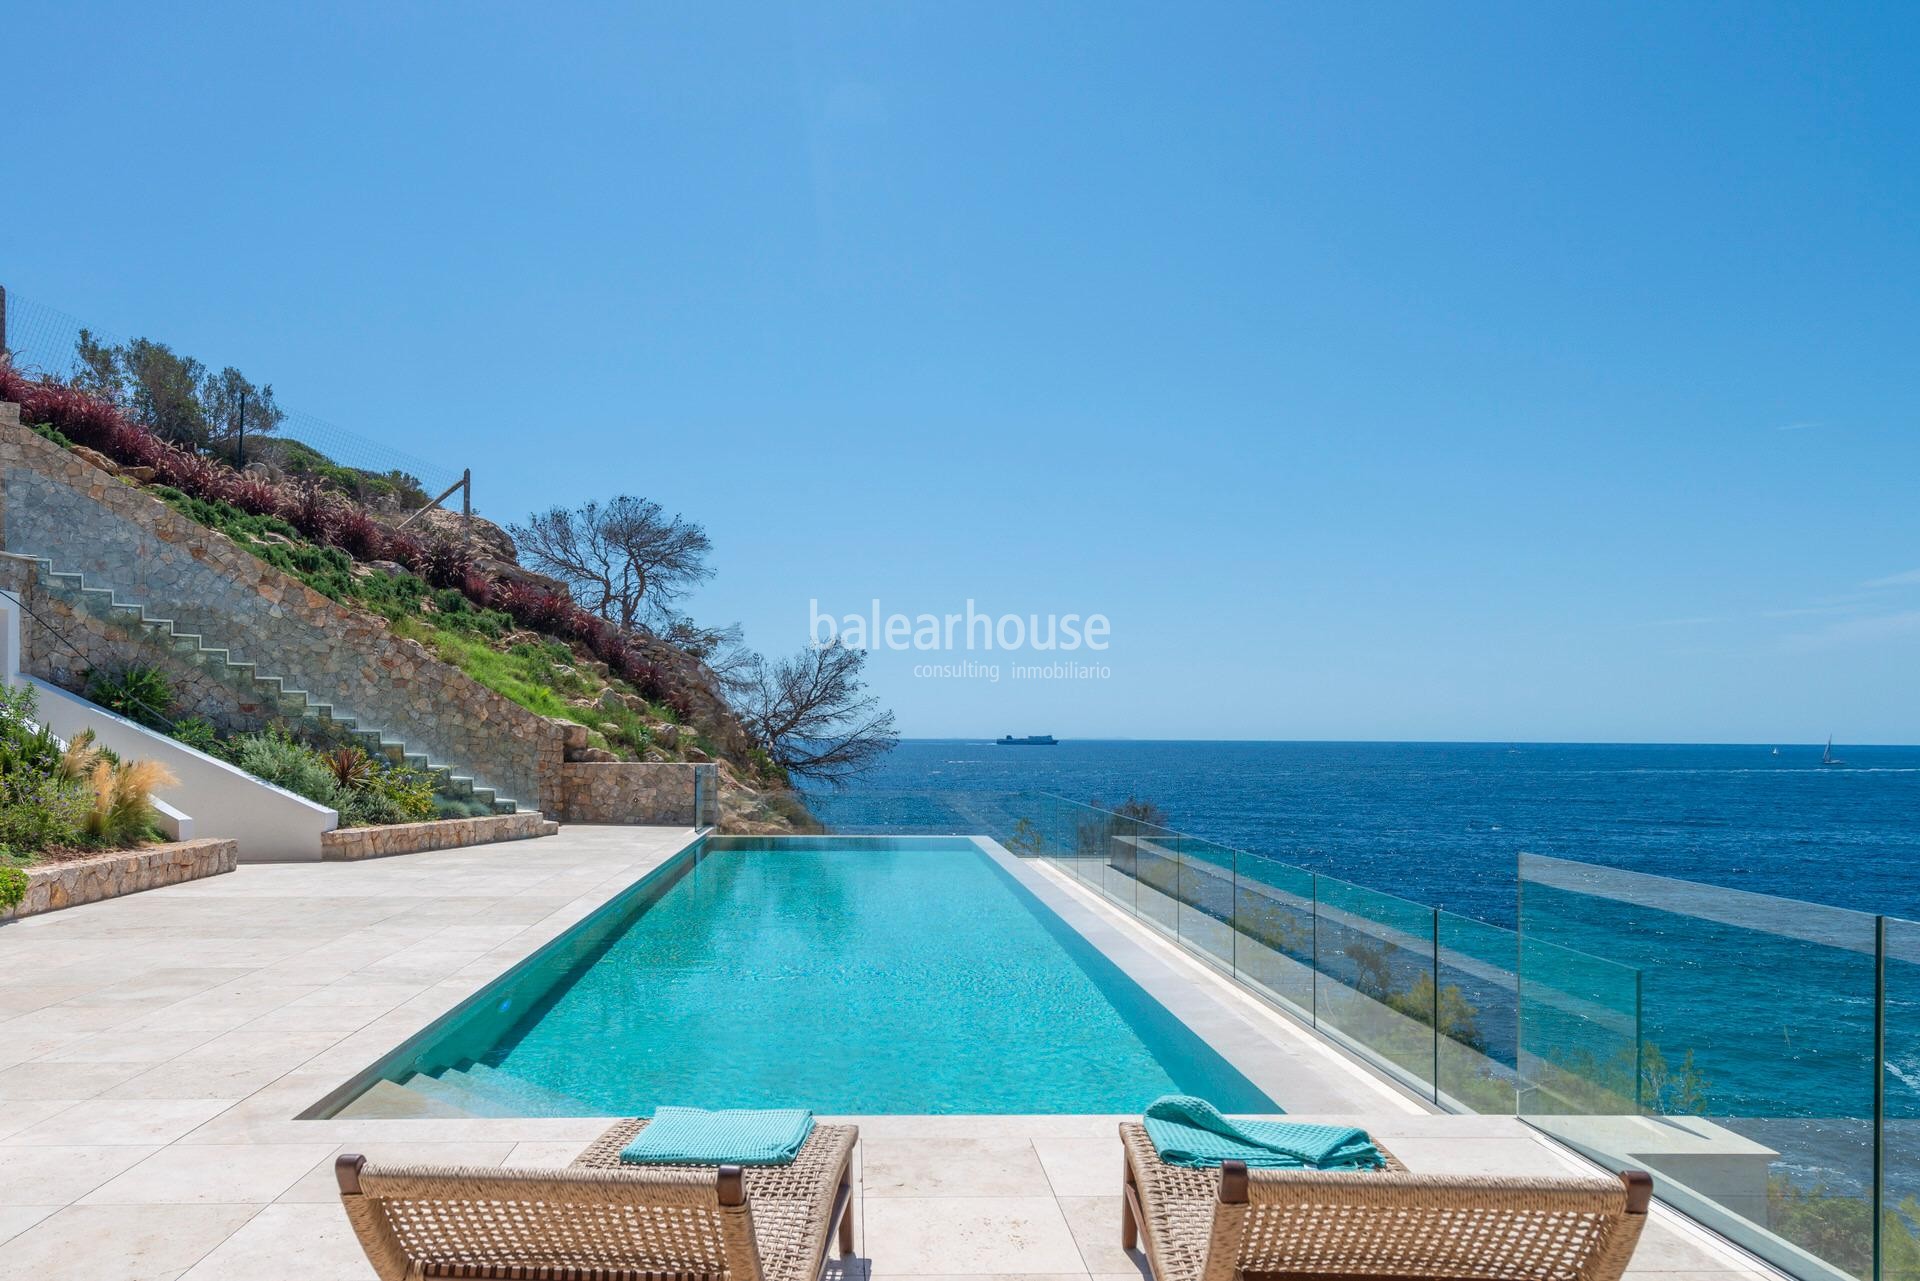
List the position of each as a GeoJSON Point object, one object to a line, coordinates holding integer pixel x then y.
{"type": "Point", "coordinates": [1900, 1084]}
{"type": "Point", "coordinates": [920, 813]}
{"type": "Point", "coordinates": [1479, 1014]}
{"type": "Point", "coordinates": [1579, 1045]}
{"type": "Point", "coordinates": [1273, 927]}
{"type": "Point", "coordinates": [1374, 957]}
{"type": "Point", "coordinates": [1059, 833]}
{"type": "Point", "coordinates": [1156, 872]}
{"type": "Point", "coordinates": [1747, 1088]}
{"type": "Point", "coordinates": [1099, 838]}
{"type": "Point", "coordinates": [1206, 899]}
{"type": "Point", "coordinates": [1093, 847]}
{"type": "Point", "coordinates": [1118, 870]}
{"type": "Point", "coordinates": [1031, 833]}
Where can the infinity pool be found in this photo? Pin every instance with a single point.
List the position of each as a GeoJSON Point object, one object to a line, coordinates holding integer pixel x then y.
{"type": "Point", "coordinates": [845, 975]}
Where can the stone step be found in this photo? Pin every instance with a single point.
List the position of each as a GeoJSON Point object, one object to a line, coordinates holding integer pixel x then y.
{"type": "Point", "coordinates": [292, 702]}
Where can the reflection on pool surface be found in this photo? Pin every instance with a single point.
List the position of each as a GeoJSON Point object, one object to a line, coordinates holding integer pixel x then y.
{"type": "Point", "coordinates": [842, 974]}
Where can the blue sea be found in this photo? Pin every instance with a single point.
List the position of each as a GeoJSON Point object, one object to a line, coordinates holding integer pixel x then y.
{"type": "Point", "coordinates": [1774, 1002]}
{"type": "Point", "coordinates": [1444, 823]}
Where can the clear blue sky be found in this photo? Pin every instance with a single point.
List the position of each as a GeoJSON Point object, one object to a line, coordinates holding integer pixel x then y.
{"type": "Point", "coordinates": [1489, 372]}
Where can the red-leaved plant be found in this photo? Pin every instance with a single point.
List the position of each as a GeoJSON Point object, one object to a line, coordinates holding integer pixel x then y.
{"type": "Point", "coordinates": [332, 520]}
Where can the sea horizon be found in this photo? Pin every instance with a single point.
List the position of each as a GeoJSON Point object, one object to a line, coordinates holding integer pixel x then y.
{"type": "Point", "coordinates": [1444, 823]}
{"type": "Point", "coordinates": [1426, 742]}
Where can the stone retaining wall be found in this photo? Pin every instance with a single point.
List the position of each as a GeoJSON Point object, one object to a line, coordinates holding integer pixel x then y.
{"type": "Point", "coordinates": [103, 876]}
{"type": "Point", "coordinates": [61, 644]}
{"type": "Point", "coordinates": [54, 504]}
{"type": "Point", "coordinates": [659, 793]}
{"type": "Point", "coordinates": [348, 843]}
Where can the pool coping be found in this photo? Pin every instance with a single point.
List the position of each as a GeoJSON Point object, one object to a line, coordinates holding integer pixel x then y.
{"type": "Point", "coordinates": [1271, 1048]}
{"type": "Point", "coordinates": [329, 1105]}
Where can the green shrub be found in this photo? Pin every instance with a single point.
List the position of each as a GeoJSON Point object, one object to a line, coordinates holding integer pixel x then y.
{"type": "Point", "coordinates": [138, 691]}
{"type": "Point", "coordinates": [13, 888]}
{"type": "Point", "coordinates": [286, 762]}
{"type": "Point", "coordinates": [24, 749]}
{"type": "Point", "coordinates": [42, 811]}
{"type": "Point", "coordinates": [394, 794]}
{"type": "Point", "coordinates": [41, 807]}
{"type": "Point", "coordinates": [364, 790]}
{"type": "Point", "coordinates": [199, 733]}
{"type": "Point", "coordinates": [394, 488]}
{"type": "Point", "coordinates": [631, 732]}
{"type": "Point", "coordinates": [460, 807]}
{"type": "Point", "coordinates": [451, 608]}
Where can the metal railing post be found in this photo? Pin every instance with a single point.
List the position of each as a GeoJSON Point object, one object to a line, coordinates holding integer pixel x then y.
{"type": "Point", "coordinates": [1436, 1005]}
{"type": "Point", "coordinates": [1639, 1046]}
{"type": "Point", "coordinates": [1313, 905]}
{"type": "Point", "coordinates": [1879, 1092]}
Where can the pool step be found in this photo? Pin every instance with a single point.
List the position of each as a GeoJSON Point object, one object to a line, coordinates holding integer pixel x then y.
{"type": "Point", "coordinates": [479, 1090]}
{"type": "Point", "coordinates": [457, 1090]}
{"type": "Point", "coordinates": [530, 1099]}
{"type": "Point", "coordinates": [391, 1101]}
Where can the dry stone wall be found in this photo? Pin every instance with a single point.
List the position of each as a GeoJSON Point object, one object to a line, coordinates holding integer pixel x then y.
{"type": "Point", "coordinates": [349, 843]}
{"type": "Point", "coordinates": [101, 876]}
{"type": "Point", "coordinates": [634, 792]}
{"type": "Point", "coordinates": [55, 505]}
{"type": "Point", "coordinates": [61, 644]}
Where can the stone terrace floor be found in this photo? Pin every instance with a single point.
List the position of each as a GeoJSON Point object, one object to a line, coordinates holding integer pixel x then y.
{"type": "Point", "coordinates": [154, 1050]}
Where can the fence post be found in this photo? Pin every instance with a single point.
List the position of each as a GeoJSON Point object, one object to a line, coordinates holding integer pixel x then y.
{"type": "Point", "coordinates": [4, 349]}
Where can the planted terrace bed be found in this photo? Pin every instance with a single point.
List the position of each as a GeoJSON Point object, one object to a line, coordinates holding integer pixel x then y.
{"type": "Point", "coordinates": [349, 843]}
{"type": "Point", "coordinates": [89, 878]}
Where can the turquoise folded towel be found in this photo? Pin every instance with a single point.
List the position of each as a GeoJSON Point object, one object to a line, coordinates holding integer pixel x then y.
{"type": "Point", "coordinates": [1191, 1132]}
{"type": "Point", "coordinates": [741, 1136]}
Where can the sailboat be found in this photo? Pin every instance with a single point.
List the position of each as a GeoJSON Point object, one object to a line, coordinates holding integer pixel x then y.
{"type": "Point", "coordinates": [1827, 757]}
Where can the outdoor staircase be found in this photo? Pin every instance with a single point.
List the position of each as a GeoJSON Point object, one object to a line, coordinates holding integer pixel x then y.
{"type": "Point", "coordinates": [294, 704]}
{"type": "Point", "coordinates": [463, 1089]}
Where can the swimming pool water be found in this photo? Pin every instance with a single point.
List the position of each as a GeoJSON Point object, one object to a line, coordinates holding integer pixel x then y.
{"type": "Point", "coordinates": [854, 977]}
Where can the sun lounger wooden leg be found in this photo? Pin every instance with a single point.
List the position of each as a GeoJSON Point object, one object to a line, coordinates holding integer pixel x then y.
{"type": "Point", "coordinates": [1129, 1225]}
{"type": "Point", "coordinates": [846, 1215]}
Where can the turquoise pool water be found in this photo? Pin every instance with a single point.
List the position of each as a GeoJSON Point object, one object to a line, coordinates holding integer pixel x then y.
{"type": "Point", "coordinates": [845, 976]}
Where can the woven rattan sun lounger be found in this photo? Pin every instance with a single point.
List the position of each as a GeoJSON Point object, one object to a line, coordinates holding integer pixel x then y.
{"type": "Point", "coordinates": [1232, 1223]}
{"type": "Point", "coordinates": [599, 1220]}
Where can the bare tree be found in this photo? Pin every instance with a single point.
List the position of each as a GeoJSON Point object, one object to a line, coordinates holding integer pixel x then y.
{"type": "Point", "coordinates": [722, 650]}
{"type": "Point", "coordinates": [625, 559]}
{"type": "Point", "coordinates": [811, 713]}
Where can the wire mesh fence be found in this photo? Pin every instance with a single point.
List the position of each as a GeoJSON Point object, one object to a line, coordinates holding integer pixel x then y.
{"type": "Point", "coordinates": [44, 340]}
